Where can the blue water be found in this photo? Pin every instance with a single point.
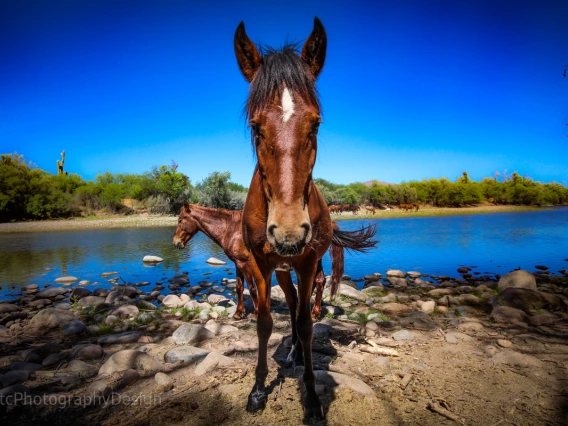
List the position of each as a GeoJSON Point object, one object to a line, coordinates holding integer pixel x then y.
{"type": "Point", "coordinates": [492, 243]}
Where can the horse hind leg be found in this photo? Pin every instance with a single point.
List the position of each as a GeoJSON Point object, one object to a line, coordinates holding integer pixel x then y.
{"type": "Point", "coordinates": [313, 407]}
{"type": "Point", "coordinates": [319, 284]}
{"type": "Point", "coordinates": [239, 313]}
{"type": "Point", "coordinates": [285, 281]}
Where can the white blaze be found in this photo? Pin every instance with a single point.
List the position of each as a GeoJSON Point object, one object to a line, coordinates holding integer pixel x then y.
{"type": "Point", "coordinates": [287, 105]}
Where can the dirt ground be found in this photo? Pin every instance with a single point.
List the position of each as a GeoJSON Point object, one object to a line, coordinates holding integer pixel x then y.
{"type": "Point", "coordinates": [467, 378]}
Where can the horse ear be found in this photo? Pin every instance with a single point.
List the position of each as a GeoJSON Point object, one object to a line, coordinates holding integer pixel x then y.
{"type": "Point", "coordinates": [198, 203]}
{"type": "Point", "coordinates": [248, 58]}
{"type": "Point", "coordinates": [313, 52]}
{"type": "Point", "coordinates": [186, 205]}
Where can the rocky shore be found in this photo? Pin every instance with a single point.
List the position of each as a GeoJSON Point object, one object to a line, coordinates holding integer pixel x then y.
{"type": "Point", "coordinates": [406, 349]}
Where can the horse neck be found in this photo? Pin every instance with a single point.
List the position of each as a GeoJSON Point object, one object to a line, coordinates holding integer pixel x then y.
{"type": "Point", "coordinates": [212, 222]}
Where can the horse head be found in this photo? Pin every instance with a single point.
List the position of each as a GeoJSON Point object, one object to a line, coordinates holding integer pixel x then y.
{"type": "Point", "coordinates": [284, 115]}
{"type": "Point", "coordinates": [186, 227]}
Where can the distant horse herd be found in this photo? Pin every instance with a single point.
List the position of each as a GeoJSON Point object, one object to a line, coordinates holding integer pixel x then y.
{"type": "Point", "coordinates": [354, 208]}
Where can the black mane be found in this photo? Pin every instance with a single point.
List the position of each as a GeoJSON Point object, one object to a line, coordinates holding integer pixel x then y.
{"type": "Point", "coordinates": [279, 69]}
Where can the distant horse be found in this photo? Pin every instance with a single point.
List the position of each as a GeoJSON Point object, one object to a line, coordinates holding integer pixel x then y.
{"type": "Point", "coordinates": [346, 208]}
{"type": "Point", "coordinates": [335, 209]}
{"type": "Point", "coordinates": [225, 228]}
{"type": "Point", "coordinates": [416, 206]}
{"type": "Point", "coordinates": [285, 219]}
{"type": "Point", "coordinates": [370, 209]}
{"type": "Point", "coordinates": [354, 208]}
{"type": "Point", "coordinates": [406, 207]}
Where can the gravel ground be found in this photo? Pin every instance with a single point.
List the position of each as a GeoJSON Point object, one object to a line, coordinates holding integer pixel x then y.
{"type": "Point", "coordinates": [135, 221]}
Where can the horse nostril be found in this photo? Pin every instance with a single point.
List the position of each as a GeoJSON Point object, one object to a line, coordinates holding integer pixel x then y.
{"type": "Point", "coordinates": [271, 229]}
{"type": "Point", "coordinates": [306, 227]}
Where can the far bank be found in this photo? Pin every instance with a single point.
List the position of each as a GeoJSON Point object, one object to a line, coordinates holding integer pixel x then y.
{"type": "Point", "coordinates": [148, 221]}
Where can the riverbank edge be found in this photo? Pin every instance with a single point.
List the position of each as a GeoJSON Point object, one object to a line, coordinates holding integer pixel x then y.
{"type": "Point", "coordinates": [146, 221]}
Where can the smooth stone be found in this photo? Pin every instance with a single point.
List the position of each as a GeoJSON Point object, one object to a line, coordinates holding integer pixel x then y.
{"type": "Point", "coordinates": [52, 292]}
{"type": "Point", "coordinates": [211, 362]}
{"type": "Point", "coordinates": [396, 273]}
{"type": "Point", "coordinates": [214, 261]}
{"type": "Point", "coordinates": [91, 301]}
{"type": "Point", "coordinates": [129, 377]}
{"type": "Point", "coordinates": [348, 291]}
{"type": "Point", "coordinates": [87, 351]}
{"type": "Point", "coordinates": [6, 308]}
{"type": "Point", "coordinates": [164, 381]}
{"type": "Point", "coordinates": [188, 354]}
{"type": "Point", "coordinates": [131, 359]}
{"type": "Point", "coordinates": [67, 279]}
{"type": "Point", "coordinates": [126, 311]}
{"type": "Point", "coordinates": [74, 327]}
{"type": "Point", "coordinates": [191, 333]}
{"type": "Point", "coordinates": [172, 301]}
{"type": "Point", "coordinates": [403, 335]}
{"type": "Point", "coordinates": [50, 318]}
{"type": "Point", "coordinates": [13, 377]}
{"type": "Point", "coordinates": [126, 337]}
{"type": "Point", "coordinates": [99, 389]}
{"type": "Point", "coordinates": [517, 279]}
{"type": "Point", "coordinates": [152, 259]}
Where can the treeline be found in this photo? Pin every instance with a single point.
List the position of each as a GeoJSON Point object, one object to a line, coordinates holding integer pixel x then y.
{"type": "Point", "coordinates": [27, 192]}
{"type": "Point", "coordinates": [510, 189]}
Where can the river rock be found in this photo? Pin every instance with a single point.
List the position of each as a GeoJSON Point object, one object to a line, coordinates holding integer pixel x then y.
{"type": "Point", "coordinates": [414, 274]}
{"type": "Point", "coordinates": [428, 306]}
{"type": "Point", "coordinates": [188, 354]}
{"type": "Point", "coordinates": [126, 311]}
{"type": "Point", "coordinates": [529, 300]}
{"type": "Point", "coordinates": [67, 279]}
{"type": "Point", "coordinates": [332, 379]}
{"type": "Point", "coordinates": [31, 288]}
{"type": "Point", "coordinates": [50, 318]}
{"type": "Point", "coordinates": [101, 292]}
{"type": "Point", "coordinates": [218, 329]}
{"type": "Point", "coordinates": [152, 259]}
{"type": "Point", "coordinates": [52, 292]}
{"type": "Point", "coordinates": [87, 351]}
{"type": "Point", "coordinates": [13, 377]}
{"type": "Point", "coordinates": [418, 320]}
{"type": "Point", "coordinates": [82, 368]}
{"type": "Point", "coordinates": [213, 261]}
{"type": "Point", "coordinates": [403, 335]}
{"type": "Point", "coordinates": [348, 291]}
{"type": "Point", "coordinates": [398, 282]}
{"type": "Point", "coordinates": [99, 389]}
{"type": "Point", "coordinates": [79, 293]}
{"type": "Point", "coordinates": [164, 381]}
{"type": "Point", "coordinates": [191, 333]}
{"type": "Point", "coordinates": [131, 359]}
{"type": "Point", "coordinates": [211, 362]}
{"type": "Point", "coordinates": [440, 292]}
{"type": "Point", "coordinates": [394, 309]}
{"type": "Point", "coordinates": [172, 301]}
{"type": "Point", "coordinates": [507, 315]}
{"type": "Point", "coordinates": [6, 308]}
{"type": "Point", "coordinates": [126, 337]}
{"type": "Point", "coordinates": [396, 273]}
{"type": "Point", "coordinates": [517, 279]}
{"type": "Point", "coordinates": [91, 301]}
{"type": "Point", "coordinates": [74, 327]}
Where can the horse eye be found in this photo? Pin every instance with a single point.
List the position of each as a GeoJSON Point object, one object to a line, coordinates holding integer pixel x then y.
{"type": "Point", "coordinates": [315, 127]}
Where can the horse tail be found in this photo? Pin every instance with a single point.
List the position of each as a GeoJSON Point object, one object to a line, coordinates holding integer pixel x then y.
{"type": "Point", "coordinates": [337, 267]}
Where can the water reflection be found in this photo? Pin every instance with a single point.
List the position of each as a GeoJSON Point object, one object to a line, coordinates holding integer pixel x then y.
{"type": "Point", "coordinates": [493, 243]}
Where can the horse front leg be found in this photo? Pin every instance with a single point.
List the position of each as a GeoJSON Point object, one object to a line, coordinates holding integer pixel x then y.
{"type": "Point", "coordinates": [246, 269]}
{"type": "Point", "coordinates": [319, 284]}
{"type": "Point", "coordinates": [257, 397]}
{"type": "Point", "coordinates": [306, 274]}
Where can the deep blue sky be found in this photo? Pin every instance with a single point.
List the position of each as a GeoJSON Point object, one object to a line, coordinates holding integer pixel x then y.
{"type": "Point", "coordinates": [410, 90]}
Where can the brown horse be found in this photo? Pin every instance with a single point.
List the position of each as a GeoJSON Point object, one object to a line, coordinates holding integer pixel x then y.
{"type": "Point", "coordinates": [225, 228]}
{"type": "Point", "coordinates": [371, 209]}
{"type": "Point", "coordinates": [285, 218]}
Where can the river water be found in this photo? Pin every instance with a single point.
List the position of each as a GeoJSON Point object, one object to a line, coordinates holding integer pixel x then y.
{"type": "Point", "coordinates": [489, 243]}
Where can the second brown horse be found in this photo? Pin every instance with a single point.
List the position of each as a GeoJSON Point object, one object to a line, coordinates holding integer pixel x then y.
{"type": "Point", "coordinates": [225, 228]}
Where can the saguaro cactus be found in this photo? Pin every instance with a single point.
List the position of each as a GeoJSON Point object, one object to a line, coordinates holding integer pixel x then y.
{"type": "Point", "coordinates": [60, 164]}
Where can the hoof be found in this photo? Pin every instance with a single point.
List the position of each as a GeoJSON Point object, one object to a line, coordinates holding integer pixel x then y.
{"type": "Point", "coordinates": [238, 315]}
{"type": "Point", "coordinates": [314, 413]}
{"type": "Point", "coordinates": [256, 401]}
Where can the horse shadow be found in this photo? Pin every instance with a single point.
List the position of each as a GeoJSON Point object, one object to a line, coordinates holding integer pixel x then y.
{"type": "Point", "coordinates": [323, 354]}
